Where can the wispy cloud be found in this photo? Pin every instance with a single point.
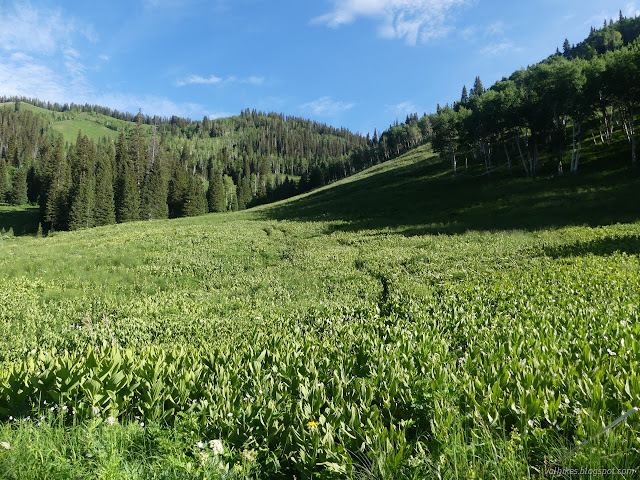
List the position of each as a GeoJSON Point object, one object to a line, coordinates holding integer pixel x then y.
{"type": "Point", "coordinates": [630, 10]}
{"type": "Point", "coordinates": [412, 20]}
{"type": "Point", "coordinates": [199, 80]}
{"type": "Point", "coordinates": [402, 109]}
{"type": "Point", "coordinates": [326, 107]}
{"type": "Point", "coordinates": [39, 57]}
{"type": "Point", "coordinates": [213, 116]}
{"type": "Point", "coordinates": [494, 29]}
{"type": "Point", "coordinates": [150, 104]}
{"type": "Point", "coordinates": [215, 80]}
{"type": "Point", "coordinates": [500, 48]}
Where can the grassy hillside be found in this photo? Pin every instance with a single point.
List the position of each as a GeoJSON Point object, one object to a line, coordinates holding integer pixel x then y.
{"type": "Point", "coordinates": [415, 194]}
{"type": "Point", "coordinates": [396, 324]}
{"type": "Point", "coordinates": [94, 125]}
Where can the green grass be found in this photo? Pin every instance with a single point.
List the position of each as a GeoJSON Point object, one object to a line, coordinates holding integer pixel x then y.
{"type": "Point", "coordinates": [95, 126]}
{"type": "Point", "coordinates": [396, 324]}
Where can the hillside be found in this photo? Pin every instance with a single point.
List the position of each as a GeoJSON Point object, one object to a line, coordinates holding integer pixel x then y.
{"type": "Point", "coordinates": [397, 323]}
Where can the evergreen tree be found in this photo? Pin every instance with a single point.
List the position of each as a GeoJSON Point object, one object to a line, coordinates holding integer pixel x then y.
{"type": "Point", "coordinates": [56, 201]}
{"type": "Point", "coordinates": [33, 184]}
{"type": "Point", "coordinates": [464, 98]}
{"type": "Point", "coordinates": [566, 48]}
{"type": "Point", "coordinates": [138, 153]}
{"type": "Point", "coordinates": [178, 184]}
{"type": "Point", "coordinates": [105, 211]}
{"type": "Point", "coordinates": [215, 192]}
{"type": "Point", "coordinates": [477, 89]}
{"type": "Point", "coordinates": [156, 191]}
{"type": "Point", "coordinates": [83, 178]}
{"type": "Point", "coordinates": [127, 195]}
{"type": "Point", "coordinates": [244, 192]}
{"type": "Point", "coordinates": [195, 199]}
{"type": "Point", "coordinates": [130, 201]}
{"type": "Point", "coordinates": [18, 188]}
{"type": "Point", "coordinates": [4, 181]}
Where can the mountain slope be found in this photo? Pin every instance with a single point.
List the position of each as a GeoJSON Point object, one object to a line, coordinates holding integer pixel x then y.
{"type": "Point", "coordinates": [415, 193]}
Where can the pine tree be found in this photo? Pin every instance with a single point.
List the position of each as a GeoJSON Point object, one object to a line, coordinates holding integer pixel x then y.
{"type": "Point", "coordinates": [105, 211]}
{"type": "Point", "coordinates": [83, 180]}
{"type": "Point", "coordinates": [465, 96]}
{"type": "Point", "coordinates": [156, 191]}
{"type": "Point", "coordinates": [18, 194]}
{"type": "Point", "coordinates": [138, 153]}
{"type": "Point", "coordinates": [244, 192]}
{"type": "Point", "coordinates": [195, 200]}
{"type": "Point", "coordinates": [477, 89]}
{"type": "Point", "coordinates": [177, 188]}
{"type": "Point", "coordinates": [566, 48]}
{"type": "Point", "coordinates": [130, 200]}
{"type": "Point", "coordinates": [215, 192]}
{"type": "Point", "coordinates": [127, 194]}
{"type": "Point", "coordinates": [4, 181]}
{"type": "Point", "coordinates": [56, 201]}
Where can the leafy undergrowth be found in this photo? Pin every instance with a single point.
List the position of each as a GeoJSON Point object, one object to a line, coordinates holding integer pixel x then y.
{"type": "Point", "coordinates": [312, 354]}
{"type": "Point", "coordinates": [265, 345]}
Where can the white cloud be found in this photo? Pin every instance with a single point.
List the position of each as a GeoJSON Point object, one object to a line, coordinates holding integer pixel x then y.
{"type": "Point", "coordinates": [630, 10]}
{"type": "Point", "coordinates": [404, 108]}
{"type": "Point", "coordinates": [198, 80]}
{"type": "Point", "coordinates": [254, 80]}
{"type": "Point", "coordinates": [326, 107]}
{"type": "Point", "coordinates": [497, 49]}
{"type": "Point", "coordinates": [213, 116]}
{"type": "Point", "coordinates": [150, 105]}
{"type": "Point", "coordinates": [496, 28]}
{"type": "Point", "coordinates": [104, 57]}
{"type": "Point", "coordinates": [215, 80]}
{"type": "Point", "coordinates": [28, 29]}
{"type": "Point", "coordinates": [412, 20]}
{"type": "Point", "coordinates": [20, 75]}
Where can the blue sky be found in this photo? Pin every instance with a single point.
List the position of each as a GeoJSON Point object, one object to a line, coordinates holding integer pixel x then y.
{"type": "Point", "coordinates": [354, 63]}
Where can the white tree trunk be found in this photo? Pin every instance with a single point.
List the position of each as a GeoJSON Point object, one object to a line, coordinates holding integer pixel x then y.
{"type": "Point", "coordinates": [506, 150]}
{"type": "Point", "coordinates": [524, 163]}
{"type": "Point", "coordinates": [632, 129]}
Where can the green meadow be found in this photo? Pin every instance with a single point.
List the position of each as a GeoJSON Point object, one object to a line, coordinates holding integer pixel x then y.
{"type": "Point", "coordinates": [395, 324]}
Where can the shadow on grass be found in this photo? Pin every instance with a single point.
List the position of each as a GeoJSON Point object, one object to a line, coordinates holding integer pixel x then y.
{"type": "Point", "coordinates": [421, 198]}
{"type": "Point", "coordinates": [629, 244]}
{"type": "Point", "coordinates": [23, 219]}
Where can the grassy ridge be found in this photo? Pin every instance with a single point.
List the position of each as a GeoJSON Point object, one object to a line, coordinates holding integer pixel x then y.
{"type": "Point", "coordinates": [396, 324]}
{"type": "Point", "coordinates": [96, 126]}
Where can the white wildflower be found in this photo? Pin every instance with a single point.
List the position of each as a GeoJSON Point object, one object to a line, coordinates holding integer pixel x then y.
{"type": "Point", "coordinates": [216, 446]}
{"type": "Point", "coordinates": [530, 422]}
{"type": "Point", "coordinates": [200, 445]}
{"type": "Point", "coordinates": [229, 414]}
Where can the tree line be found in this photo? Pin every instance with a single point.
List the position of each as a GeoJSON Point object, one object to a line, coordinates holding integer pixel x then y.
{"type": "Point", "coordinates": [155, 174]}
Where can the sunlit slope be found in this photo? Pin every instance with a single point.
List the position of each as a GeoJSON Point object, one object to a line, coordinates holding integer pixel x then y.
{"type": "Point", "coordinates": [416, 193]}
{"type": "Point", "coordinates": [340, 309]}
{"type": "Point", "coordinates": [94, 125]}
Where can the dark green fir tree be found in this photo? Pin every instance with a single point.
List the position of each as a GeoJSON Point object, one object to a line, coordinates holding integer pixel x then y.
{"type": "Point", "coordinates": [18, 194]}
{"type": "Point", "coordinates": [105, 210]}
{"type": "Point", "coordinates": [5, 187]}
{"type": "Point", "coordinates": [156, 191]}
{"type": "Point", "coordinates": [215, 192]}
